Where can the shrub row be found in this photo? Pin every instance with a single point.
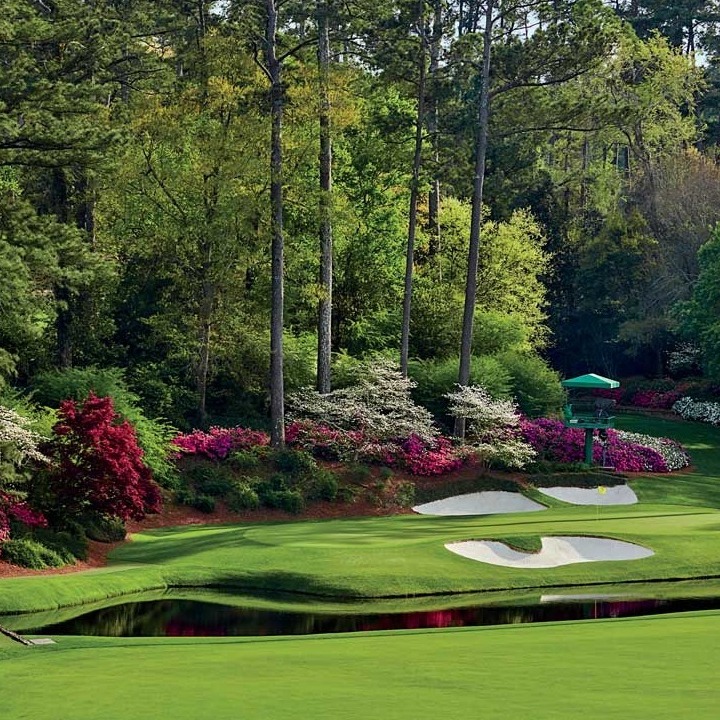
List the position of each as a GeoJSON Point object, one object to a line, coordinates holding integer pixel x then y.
{"type": "Point", "coordinates": [627, 452]}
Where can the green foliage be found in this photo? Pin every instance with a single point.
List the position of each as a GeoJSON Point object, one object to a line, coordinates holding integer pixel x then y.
{"type": "Point", "coordinates": [291, 501]}
{"type": "Point", "coordinates": [103, 528]}
{"type": "Point", "coordinates": [700, 316]}
{"type": "Point", "coordinates": [323, 485]}
{"type": "Point", "coordinates": [436, 378]}
{"type": "Point", "coordinates": [240, 460]}
{"type": "Point", "coordinates": [497, 331]}
{"type": "Point", "coordinates": [29, 553]}
{"type": "Point", "coordinates": [243, 495]}
{"type": "Point", "coordinates": [535, 386]}
{"type": "Point", "coordinates": [69, 546]}
{"type": "Point", "coordinates": [297, 464]}
{"type": "Point", "coordinates": [208, 479]}
{"type": "Point", "coordinates": [204, 503]}
{"type": "Point", "coordinates": [511, 296]}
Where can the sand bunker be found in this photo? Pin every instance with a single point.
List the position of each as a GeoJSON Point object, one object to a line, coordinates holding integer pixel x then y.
{"type": "Point", "coordinates": [613, 495]}
{"type": "Point", "coordinates": [556, 551]}
{"type": "Point", "coordinates": [489, 502]}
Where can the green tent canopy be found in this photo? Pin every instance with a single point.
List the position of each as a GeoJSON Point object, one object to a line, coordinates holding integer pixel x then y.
{"type": "Point", "coordinates": [591, 380]}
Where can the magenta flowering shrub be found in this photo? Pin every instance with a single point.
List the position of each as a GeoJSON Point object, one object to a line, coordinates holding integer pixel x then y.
{"type": "Point", "coordinates": [615, 394]}
{"type": "Point", "coordinates": [436, 458]}
{"type": "Point", "coordinates": [218, 442]}
{"type": "Point", "coordinates": [324, 442]}
{"type": "Point", "coordinates": [656, 399]}
{"type": "Point", "coordinates": [556, 443]}
{"type": "Point", "coordinates": [13, 509]}
{"type": "Point", "coordinates": [415, 454]}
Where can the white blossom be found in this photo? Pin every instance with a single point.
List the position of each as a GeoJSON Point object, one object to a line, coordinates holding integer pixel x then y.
{"type": "Point", "coordinates": [17, 442]}
{"type": "Point", "coordinates": [379, 404]}
{"type": "Point", "coordinates": [492, 425]}
{"type": "Point", "coordinates": [690, 409]}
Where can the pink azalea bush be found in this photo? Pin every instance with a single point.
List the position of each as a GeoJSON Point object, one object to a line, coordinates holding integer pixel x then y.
{"type": "Point", "coordinates": [14, 509]}
{"type": "Point", "coordinates": [417, 455]}
{"type": "Point", "coordinates": [556, 443]}
{"type": "Point", "coordinates": [217, 443]}
{"type": "Point", "coordinates": [655, 399]}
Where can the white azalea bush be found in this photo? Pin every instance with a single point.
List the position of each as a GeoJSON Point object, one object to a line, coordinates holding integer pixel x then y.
{"type": "Point", "coordinates": [674, 455]}
{"type": "Point", "coordinates": [493, 426]}
{"type": "Point", "coordinates": [690, 409]}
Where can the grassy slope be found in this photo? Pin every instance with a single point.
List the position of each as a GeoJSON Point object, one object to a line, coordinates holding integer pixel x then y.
{"type": "Point", "coordinates": [641, 669]}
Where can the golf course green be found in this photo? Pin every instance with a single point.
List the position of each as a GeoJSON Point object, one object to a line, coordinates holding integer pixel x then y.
{"type": "Point", "coordinates": [654, 667]}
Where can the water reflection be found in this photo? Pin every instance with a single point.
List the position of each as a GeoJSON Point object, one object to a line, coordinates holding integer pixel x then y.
{"type": "Point", "coordinates": [190, 618]}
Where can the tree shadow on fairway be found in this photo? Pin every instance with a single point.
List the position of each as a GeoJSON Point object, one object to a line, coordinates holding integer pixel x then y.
{"type": "Point", "coordinates": [169, 545]}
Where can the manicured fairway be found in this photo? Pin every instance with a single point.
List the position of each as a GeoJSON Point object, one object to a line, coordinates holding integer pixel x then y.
{"type": "Point", "coordinates": [382, 557]}
{"type": "Point", "coordinates": [650, 668]}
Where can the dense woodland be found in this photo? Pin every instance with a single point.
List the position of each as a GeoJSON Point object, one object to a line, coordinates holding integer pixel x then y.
{"type": "Point", "coordinates": [217, 203]}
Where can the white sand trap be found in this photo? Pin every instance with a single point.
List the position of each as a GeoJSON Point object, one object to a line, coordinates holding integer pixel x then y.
{"type": "Point", "coordinates": [489, 502]}
{"type": "Point", "coordinates": [613, 495]}
{"type": "Point", "coordinates": [556, 551]}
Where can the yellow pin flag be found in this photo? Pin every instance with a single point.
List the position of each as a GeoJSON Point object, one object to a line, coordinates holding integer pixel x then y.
{"type": "Point", "coordinates": [602, 489]}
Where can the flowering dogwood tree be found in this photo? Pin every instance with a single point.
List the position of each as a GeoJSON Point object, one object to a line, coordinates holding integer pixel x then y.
{"type": "Point", "coordinates": [17, 444]}
{"type": "Point", "coordinates": [379, 404]}
{"type": "Point", "coordinates": [492, 426]}
{"type": "Point", "coordinates": [17, 441]}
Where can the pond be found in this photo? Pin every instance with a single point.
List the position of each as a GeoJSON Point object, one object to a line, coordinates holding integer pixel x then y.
{"type": "Point", "coordinates": [218, 614]}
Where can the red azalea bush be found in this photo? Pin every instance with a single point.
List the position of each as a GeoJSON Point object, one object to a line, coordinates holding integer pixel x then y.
{"type": "Point", "coordinates": [556, 443]}
{"type": "Point", "coordinates": [98, 464]}
{"type": "Point", "coordinates": [217, 443]}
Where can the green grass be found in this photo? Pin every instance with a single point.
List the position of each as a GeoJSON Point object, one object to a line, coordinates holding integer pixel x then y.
{"type": "Point", "coordinates": [642, 669]}
{"type": "Point", "coordinates": [381, 557]}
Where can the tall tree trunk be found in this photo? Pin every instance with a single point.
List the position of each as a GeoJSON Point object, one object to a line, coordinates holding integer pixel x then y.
{"type": "Point", "coordinates": [433, 130]}
{"type": "Point", "coordinates": [64, 300]}
{"type": "Point", "coordinates": [274, 68]}
{"type": "Point", "coordinates": [414, 191]}
{"type": "Point", "coordinates": [476, 218]}
{"type": "Point", "coordinates": [207, 302]}
{"type": "Point", "coordinates": [326, 234]}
